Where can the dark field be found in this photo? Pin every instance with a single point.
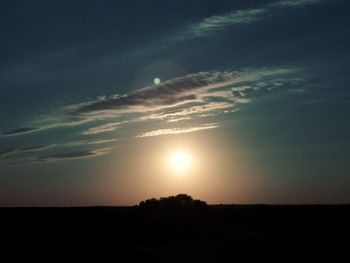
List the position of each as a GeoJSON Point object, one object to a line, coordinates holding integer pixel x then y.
{"type": "Point", "coordinates": [225, 233]}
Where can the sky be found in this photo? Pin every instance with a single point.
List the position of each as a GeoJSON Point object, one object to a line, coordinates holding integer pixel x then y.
{"type": "Point", "coordinates": [97, 96]}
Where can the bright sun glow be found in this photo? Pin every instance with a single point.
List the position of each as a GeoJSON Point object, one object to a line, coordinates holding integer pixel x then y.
{"type": "Point", "coordinates": [180, 161]}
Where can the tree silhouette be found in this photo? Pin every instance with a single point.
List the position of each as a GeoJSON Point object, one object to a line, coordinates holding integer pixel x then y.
{"type": "Point", "coordinates": [180, 201]}
{"type": "Point", "coordinates": [180, 211]}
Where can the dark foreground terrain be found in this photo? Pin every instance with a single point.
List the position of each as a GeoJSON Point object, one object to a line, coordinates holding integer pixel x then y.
{"type": "Point", "coordinates": [224, 233]}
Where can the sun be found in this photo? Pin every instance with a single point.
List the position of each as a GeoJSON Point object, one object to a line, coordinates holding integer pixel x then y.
{"type": "Point", "coordinates": [180, 161]}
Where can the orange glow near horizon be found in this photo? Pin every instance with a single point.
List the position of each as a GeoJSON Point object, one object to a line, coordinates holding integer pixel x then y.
{"type": "Point", "coordinates": [201, 165]}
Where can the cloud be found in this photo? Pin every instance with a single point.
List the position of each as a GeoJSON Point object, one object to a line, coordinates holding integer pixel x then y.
{"type": "Point", "coordinates": [63, 155]}
{"type": "Point", "coordinates": [6, 151]}
{"type": "Point", "coordinates": [13, 150]}
{"type": "Point", "coordinates": [219, 22]}
{"type": "Point", "coordinates": [213, 98]}
{"type": "Point", "coordinates": [216, 23]}
{"type": "Point", "coordinates": [178, 119]}
{"type": "Point", "coordinates": [102, 128]}
{"type": "Point", "coordinates": [188, 111]}
{"type": "Point", "coordinates": [74, 155]}
{"type": "Point", "coordinates": [19, 131]}
{"type": "Point", "coordinates": [170, 93]}
{"type": "Point", "coordinates": [175, 92]}
{"type": "Point", "coordinates": [79, 143]}
{"type": "Point", "coordinates": [34, 148]}
{"type": "Point", "coordinates": [193, 95]}
{"type": "Point", "coordinates": [291, 3]}
{"type": "Point", "coordinates": [22, 162]}
{"type": "Point", "coordinates": [175, 131]}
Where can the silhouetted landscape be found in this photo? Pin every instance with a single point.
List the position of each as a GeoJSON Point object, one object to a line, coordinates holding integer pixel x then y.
{"type": "Point", "coordinates": [177, 229]}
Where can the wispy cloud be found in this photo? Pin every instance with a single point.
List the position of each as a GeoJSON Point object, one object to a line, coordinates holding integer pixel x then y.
{"type": "Point", "coordinates": [73, 155]}
{"type": "Point", "coordinates": [34, 148]}
{"type": "Point", "coordinates": [6, 151]}
{"type": "Point", "coordinates": [219, 22]}
{"type": "Point", "coordinates": [93, 142]}
{"type": "Point", "coordinates": [64, 155]}
{"type": "Point", "coordinates": [291, 3]}
{"type": "Point", "coordinates": [19, 131]}
{"type": "Point", "coordinates": [109, 127]}
{"type": "Point", "coordinates": [22, 162]}
{"type": "Point", "coordinates": [188, 111]}
{"type": "Point", "coordinates": [178, 119]}
{"type": "Point", "coordinates": [212, 24]}
{"type": "Point", "coordinates": [175, 131]}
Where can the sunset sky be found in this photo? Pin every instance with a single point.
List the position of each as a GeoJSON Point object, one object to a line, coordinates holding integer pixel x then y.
{"type": "Point", "coordinates": [112, 102]}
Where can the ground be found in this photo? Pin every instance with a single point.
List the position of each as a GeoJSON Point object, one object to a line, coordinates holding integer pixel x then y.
{"type": "Point", "coordinates": [222, 233]}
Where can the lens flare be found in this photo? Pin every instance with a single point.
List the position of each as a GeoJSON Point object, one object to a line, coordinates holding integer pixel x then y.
{"type": "Point", "coordinates": [156, 81]}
